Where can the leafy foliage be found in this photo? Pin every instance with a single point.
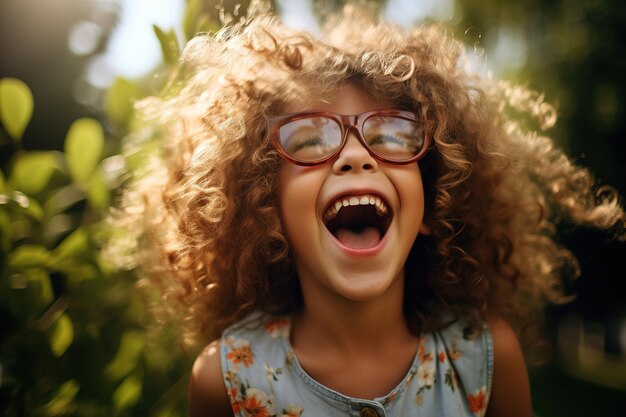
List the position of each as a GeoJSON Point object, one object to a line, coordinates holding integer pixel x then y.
{"type": "Point", "coordinates": [76, 335]}
{"type": "Point", "coordinates": [16, 106]}
{"type": "Point", "coordinates": [65, 316]}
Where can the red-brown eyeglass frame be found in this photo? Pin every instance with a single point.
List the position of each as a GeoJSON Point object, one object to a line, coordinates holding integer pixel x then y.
{"type": "Point", "coordinates": [345, 122]}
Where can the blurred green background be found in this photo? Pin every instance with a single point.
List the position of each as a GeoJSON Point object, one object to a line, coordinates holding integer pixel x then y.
{"type": "Point", "coordinates": [74, 334]}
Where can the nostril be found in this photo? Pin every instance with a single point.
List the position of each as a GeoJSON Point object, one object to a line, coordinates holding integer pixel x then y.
{"type": "Point", "coordinates": [346, 168]}
{"type": "Point", "coordinates": [367, 167]}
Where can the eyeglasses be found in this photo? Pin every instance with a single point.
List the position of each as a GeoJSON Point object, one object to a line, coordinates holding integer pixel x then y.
{"type": "Point", "coordinates": [312, 138]}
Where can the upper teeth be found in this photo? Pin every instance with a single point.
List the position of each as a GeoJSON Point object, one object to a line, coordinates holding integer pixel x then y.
{"type": "Point", "coordinates": [364, 200]}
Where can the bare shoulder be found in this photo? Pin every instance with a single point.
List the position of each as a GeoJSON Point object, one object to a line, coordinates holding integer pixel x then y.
{"type": "Point", "coordinates": [207, 392]}
{"type": "Point", "coordinates": [510, 393]}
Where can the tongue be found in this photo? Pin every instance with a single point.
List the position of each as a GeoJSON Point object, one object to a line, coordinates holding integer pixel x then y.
{"type": "Point", "coordinates": [363, 239]}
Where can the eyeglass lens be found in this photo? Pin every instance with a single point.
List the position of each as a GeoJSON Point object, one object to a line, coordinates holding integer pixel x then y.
{"type": "Point", "coordinates": [314, 138]}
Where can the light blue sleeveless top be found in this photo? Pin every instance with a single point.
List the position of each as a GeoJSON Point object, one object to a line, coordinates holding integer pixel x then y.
{"type": "Point", "coordinates": [450, 376]}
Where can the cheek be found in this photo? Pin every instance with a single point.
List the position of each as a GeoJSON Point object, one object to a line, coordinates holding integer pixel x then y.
{"type": "Point", "coordinates": [408, 183]}
{"type": "Point", "coordinates": [415, 196]}
{"type": "Point", "coordinates": [297, 192]}
{"type": "Point", "coordinates": [411, 192]}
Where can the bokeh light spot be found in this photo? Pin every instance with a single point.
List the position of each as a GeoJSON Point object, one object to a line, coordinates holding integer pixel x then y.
{"type": "Point", "coordinates": [84, 38]}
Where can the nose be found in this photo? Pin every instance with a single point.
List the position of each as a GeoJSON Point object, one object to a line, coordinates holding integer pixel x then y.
{"type": "Point", "coordinates": [354, 157]}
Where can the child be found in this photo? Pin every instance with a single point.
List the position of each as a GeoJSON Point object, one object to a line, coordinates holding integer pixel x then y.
{"type": "Point", "coordinates": [357, 222]}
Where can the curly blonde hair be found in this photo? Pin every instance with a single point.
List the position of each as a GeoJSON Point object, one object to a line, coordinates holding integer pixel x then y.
{"type": "Point", "coordinates": [204, 215]}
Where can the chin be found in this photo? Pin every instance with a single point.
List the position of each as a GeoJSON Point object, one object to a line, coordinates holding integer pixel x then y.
{"type": "Point", "coordinates": [365, 287]}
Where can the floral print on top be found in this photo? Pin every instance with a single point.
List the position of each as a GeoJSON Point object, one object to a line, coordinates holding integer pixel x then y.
{"type": "Point", "coordinates": [450, 375]}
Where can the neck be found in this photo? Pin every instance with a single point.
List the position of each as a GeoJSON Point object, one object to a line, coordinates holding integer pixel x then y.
{"type": "Point", "coordinates": [359, 327]}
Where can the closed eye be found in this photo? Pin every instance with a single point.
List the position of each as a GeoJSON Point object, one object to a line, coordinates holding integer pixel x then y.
{"type": "Point", "coordinates": [306, 143]}
{"type": "Point", "coordinates": [390, 139]}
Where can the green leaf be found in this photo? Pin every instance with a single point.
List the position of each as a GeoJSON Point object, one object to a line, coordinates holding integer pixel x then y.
{"type": "Point", "coordinates": [5, 235]}
{"type": "Point", "coordinates": [127, 355]}
{"type": "Point", "coordinates": [207, 24]}
{"type": "Point", "coordinates": [28, 256]}
{"type": "Point", "coordinates": [34, 210]}
{"type": "Point", "coordinates": [21, 229]}
{"type": "Point", "coordinates": [32, 171]}
{"type": "Point", "coordinates": [168, 411]}
{"type": "Point", "coordinates": [16, 106]}
{"type": "Point", "coordinates": [40, 279]}
{"type": "Point", "coordinates": [61, 403]}
{"type": "Point", "coordinates": [169, 44]}
{"type": "Point", "coordinates": [61, 199]}
{"type": "Point", "coordinates": [73, 245]}
{"type": "Point", "coordinates": [192, 16]}
{"type": "Point", "coordinates": [83, 148]}
{"type": "Point", "coordinates": [58, 226]}
{"type": "Point", "coordinates": [196, 21]}
{"type": "Point", "coordinates": [61, 335]}
{"type": "Point", "coordinates": [79, 273]}
{"type": "Point", "coordinates": [3, 186]}
{"type": "Point", "coordinates": [119, 100]}
{"type": "Point", "coordinates": [30, 295]}
{"type": "Point", "coordinates": [128, 393]}
{"type": "Point", "coordinates": [23, 204]}
{"type": "Point", "coordinates": [98, 192]}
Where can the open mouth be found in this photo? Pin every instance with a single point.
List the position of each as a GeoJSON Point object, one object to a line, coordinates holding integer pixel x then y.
{"type": "Point", "coordinates": [358, 222]}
